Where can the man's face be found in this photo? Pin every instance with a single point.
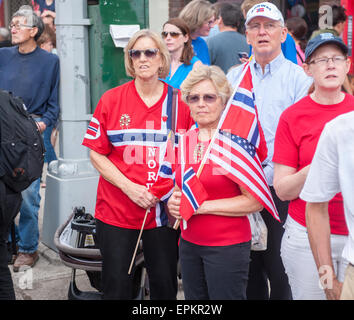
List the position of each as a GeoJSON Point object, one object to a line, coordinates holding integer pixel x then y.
{"type": "Point", "coordinates": [21, 31]}
{"type": "Point", "coordinates": [265, 36]}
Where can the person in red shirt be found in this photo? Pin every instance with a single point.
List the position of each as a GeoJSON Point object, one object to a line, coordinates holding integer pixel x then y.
{"type": "Point", "coordinates": [215, 246]}
{"type": "Point", "coordinates": [126, 136]}
{"type": "Point", "coordinates": [297, 135]}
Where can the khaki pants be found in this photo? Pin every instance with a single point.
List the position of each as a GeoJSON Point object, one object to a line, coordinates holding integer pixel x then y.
{"type": "Point", "coordinates": [348, 285]}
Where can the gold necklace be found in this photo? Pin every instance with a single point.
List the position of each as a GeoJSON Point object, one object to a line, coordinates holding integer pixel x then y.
{"type": "Point", "coordinates": [198, 152]}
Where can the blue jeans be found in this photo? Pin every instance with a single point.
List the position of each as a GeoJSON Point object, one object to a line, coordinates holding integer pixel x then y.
{"type": "Point", "coordinates": [28, 229]}
{"type": "Point", "coordinates": [49, 150]}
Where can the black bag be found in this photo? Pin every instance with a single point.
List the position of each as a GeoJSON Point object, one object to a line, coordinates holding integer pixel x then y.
{"type": "Point", "coordinates": [22, 147]}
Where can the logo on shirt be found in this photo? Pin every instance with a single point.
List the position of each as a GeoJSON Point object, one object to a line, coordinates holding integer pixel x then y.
{"type": "Point", "coordinates": [124, 121]}
{"type": "Point", "coordinates": [93, 130]}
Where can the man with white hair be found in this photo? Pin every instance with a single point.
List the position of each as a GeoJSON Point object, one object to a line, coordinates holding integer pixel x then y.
{"type": "Point", "coordinates": [277, 83]}
{"type": "Point", "coordinates": [33, 75]}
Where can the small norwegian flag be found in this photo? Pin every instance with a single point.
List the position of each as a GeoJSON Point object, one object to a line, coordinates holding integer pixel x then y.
{"type": "Point", "coordinates": [193, 194]}
{"type": "Point", "coordinates": [93, 130]}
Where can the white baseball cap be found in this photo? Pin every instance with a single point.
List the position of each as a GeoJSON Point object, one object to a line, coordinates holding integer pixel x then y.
{"type": "Point", "coordinates": [264, 9]}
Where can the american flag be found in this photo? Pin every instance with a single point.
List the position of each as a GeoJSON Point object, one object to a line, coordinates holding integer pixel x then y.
{"type": "Point", "coordinates": [240, 115]}
{"type": "Point", "coordinates": [239, 158]}
{"type": "Point", "coordinates": [239, 146]}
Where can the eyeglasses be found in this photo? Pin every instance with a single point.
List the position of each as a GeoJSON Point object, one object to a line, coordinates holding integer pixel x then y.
{"type": "Point", "coordinates": [149, 53]}
{"type": "Point", "coordinates": [19, 26]}
{"type": "Point", "coordinates": [324, 61]}
{"type": "Point", "coordinates": [174, 35]}
{"type": "Point", "coordinates": [269, 26]}
{"type": "Point", "coordinates": [211, 23]}
{"type": "Point", "coordinates": [207, 98]}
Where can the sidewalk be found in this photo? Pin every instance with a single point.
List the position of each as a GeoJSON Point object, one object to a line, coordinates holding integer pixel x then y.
{"type": "Point", "coordinates": [49, 279]}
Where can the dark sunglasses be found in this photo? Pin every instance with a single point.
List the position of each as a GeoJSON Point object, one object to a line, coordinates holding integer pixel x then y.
{"type": "Point", "coordinates": [207, 98]}
{"type": "Point", "coordinates": [149, 53]}
{"type": "Point", "coordinates": [174, 35]}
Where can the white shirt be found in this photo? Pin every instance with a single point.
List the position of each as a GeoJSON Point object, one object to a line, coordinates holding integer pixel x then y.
{"type": "Point", "coordinates": [332, 171]}
{"type": "Point", "coordinates": [281, 85]}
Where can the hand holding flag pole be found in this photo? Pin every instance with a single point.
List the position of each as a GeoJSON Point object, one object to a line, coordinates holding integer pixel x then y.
{"type": "Point", "coordinates": [164, 188]}
{"type": "Point", "coordinates": [222, 118]}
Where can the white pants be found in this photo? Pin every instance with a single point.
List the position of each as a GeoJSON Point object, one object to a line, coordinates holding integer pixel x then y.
{"type": "Point", "coordinates": [300, 265]}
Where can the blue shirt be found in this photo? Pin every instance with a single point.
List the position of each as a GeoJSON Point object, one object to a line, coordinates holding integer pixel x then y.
{"type": "Point", "coordinates": [43, 5]}
{"type": "Point", "coordinates": [201, 50]}
{"type": "Point", "coordinates": [281, 85]}
{"type": "Point", "coordinates": [180, 74]}
{"type": "Point", "coordinates": [34, 77]}
{"type": "Point", "coordinates": [289, 48]}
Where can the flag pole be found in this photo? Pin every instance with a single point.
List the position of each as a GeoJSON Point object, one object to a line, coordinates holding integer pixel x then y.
{"type": "Point", "coordinates": [137, 243]}
{"type": "Point", "coordinates": [170, 136]}
{"type": "Point", "coordinates": [201, 166]}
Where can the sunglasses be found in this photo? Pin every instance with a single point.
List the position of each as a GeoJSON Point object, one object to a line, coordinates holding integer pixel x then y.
{"type": "Point", "coordinates": [173, 34]}
{"type": "Point", "coordinates": [148, 53]}
{"type": "Point", "coordinates": [207, 98]}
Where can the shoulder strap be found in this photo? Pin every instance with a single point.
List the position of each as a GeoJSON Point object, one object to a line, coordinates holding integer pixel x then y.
{"type": "Point", "coordinates": [298, 53]}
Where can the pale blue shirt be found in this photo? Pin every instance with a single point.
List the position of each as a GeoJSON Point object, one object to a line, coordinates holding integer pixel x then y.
{"type": "Point", "coordinates": [281, 85]}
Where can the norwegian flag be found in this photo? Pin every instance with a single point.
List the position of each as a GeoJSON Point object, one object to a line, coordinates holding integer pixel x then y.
{"type": "Point", "coordinates": [240, 160]}
{"type": "Point", "coordinates": [165, 180]}
{"type": "Point", "coordinates": [193, 194]}
{"type": "Point", "coordinates": [93, 130]}
{"type": "Point", "coordinates": [240, 116]}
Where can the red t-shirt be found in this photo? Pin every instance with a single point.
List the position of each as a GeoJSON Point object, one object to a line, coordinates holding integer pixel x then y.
{"type": "Point", "coordinates": [209, 229]}
{"type": "Point", "coordinates": [131, 134]}
{"type": "Point", "coordinates": [297, 135]}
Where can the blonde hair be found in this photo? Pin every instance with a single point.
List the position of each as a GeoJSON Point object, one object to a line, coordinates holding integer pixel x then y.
{"type": "Point", "coordinates": [204, 72]}
{"type": "Point", "coordinates": [160, 44]}
{"type": "Point", "coordinates": [196, 13]}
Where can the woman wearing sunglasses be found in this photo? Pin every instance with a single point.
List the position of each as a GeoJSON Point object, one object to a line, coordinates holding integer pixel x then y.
{"type": "Point", "coordinates": [215, 246]}
{"type": "Point", "coordinates": [297, 135]}
{"type": "Point", "coordinates": [179, 43]}
{"type": "Point", "coordinates": [126, 135]}
{"type": "Point", "coordinates": [200, 18]}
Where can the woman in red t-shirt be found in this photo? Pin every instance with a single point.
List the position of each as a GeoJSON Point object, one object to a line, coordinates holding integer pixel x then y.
{"type": "Point", "coordinates": [296, 139]}
{"type": "Point", "coordinates": [126, 136]}
{"type": "Point", "coordinates": [215, 245]}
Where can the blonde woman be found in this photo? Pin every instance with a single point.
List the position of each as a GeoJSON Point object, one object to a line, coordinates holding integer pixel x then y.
{"type": "Point", "coordinates": [200, 18]}
{"type": "Point", "coordinates": [126, 134]}
{"type": "Point", "coordinates": [215, 246]}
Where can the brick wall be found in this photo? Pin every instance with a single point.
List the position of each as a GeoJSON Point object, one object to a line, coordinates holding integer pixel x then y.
{"type": "Point", "coordinates": [175, 6]}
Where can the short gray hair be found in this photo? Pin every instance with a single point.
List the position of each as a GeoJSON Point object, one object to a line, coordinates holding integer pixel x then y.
{"type": "Point", "coordinates": [204, 72]}
{"type": "Point", "coordinates": [31, 18]}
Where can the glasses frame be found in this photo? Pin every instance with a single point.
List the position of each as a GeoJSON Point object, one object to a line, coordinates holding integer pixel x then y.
{"type": "Point", "coordinates": [208, 98]}
{"type": "Point", "coordinates": [173, 34]}
{"type": "Point", "coordinates": [148, 53]}
{"type": "Point", "coordinates": [19, 26]}
{"type": "Point", "coordinates": [324, 60]}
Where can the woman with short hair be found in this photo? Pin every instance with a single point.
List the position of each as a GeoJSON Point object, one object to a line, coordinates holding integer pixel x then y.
{"type": "Point", "coordinates": [126, 135]}
{"type": "Point", "coordinates": [215, 247]}
{"type": "Point", "coordinates": [297, 135]}
{"type": "Point", "coordinates": [200, 18]}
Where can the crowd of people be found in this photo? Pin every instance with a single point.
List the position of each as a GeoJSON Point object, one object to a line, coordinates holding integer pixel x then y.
{"type": "Point", "coordinates": [183, 80]}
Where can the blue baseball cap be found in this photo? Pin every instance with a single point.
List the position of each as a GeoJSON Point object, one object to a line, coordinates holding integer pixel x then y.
{"type": "Point", "coordinates": [321, 39]}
